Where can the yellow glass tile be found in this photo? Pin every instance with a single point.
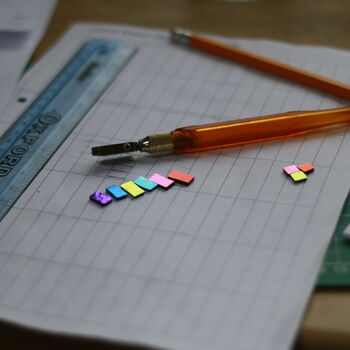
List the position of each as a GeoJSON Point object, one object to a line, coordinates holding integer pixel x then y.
{"type": "Point", "coordinates": [299, 176]}
{"type": "Point", "coordinates": [132, 189]}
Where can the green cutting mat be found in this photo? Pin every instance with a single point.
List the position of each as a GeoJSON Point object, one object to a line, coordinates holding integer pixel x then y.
{"type": "Point", "coordinates": [335, 271]}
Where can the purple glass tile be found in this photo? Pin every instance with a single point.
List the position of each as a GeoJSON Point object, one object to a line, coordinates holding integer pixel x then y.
{"type": "Point", "coordinates": [101, 198]}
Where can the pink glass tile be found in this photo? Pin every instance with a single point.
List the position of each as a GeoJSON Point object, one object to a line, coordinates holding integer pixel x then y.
{"type": "Point", "coordinates": [290, 169]}
{"type": "Point", "coordinates": [162, 181]}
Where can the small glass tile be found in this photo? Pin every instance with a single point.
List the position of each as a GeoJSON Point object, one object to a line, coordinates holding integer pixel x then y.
{"type": "Point", "coordinates": [299, 176]}
{"type": "Point", "coordinates": [132, 189]}
{"type": "Point", "coordinates": [162, 181]}
{"type": "Point", "coordinates": [306, 168]}
{"type": "Point", "coordinates": [101, 198]}
{"type": "Point", "coordinates": [184, 178]}
{"type": "Point", "coordinates": [290, 169]}
{"type": "Point", "coordinates": [146, 184]}
{"type": "Point", "coordinates": [116, 192]}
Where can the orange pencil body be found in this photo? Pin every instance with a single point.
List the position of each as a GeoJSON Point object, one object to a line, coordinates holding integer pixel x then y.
{"type": "Point", "coordinates": [262, 63]}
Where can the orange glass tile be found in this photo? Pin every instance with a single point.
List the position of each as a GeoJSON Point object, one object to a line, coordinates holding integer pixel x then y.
{"type": "Point", "coordinates": [306, 167]}
{"type": "Point", "coordinates": [184, 178]}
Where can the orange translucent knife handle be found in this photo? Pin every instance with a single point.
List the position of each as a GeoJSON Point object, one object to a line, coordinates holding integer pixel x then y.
{"type": "Point", "coordinates": [249, 130]}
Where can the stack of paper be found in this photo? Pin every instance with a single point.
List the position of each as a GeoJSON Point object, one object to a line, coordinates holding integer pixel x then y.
{"type": "Point", "coordinates": [226, 263]}
{"type": "Point", "coordinates": [22, 23]}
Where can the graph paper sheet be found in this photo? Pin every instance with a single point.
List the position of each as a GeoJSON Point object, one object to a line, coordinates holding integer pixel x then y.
{"type": "Point", "coordinates": [225, 263]}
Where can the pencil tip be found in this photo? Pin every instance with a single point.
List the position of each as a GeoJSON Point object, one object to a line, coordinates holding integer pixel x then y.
{"type": "Point", "coordinates": [180, 36]}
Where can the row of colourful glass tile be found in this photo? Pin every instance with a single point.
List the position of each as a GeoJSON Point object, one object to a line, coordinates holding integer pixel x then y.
{"type": "Point", "coordinates": [138, 186]}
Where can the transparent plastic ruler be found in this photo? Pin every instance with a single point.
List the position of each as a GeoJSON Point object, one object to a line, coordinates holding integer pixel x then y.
{"type": "Point", "coordinates": [30, 142]}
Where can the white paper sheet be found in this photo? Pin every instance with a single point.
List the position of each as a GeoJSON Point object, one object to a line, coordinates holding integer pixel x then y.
{"type": "Point", "coordinates": [226, 263]}
{"type": "Point", "coordinates": [22, 23]}
{"type": "Point", "coordinates": [19, 15]}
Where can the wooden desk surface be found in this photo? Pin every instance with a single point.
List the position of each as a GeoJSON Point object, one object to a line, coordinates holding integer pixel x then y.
{"type": "Point", "coordinates": [323, 22]}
